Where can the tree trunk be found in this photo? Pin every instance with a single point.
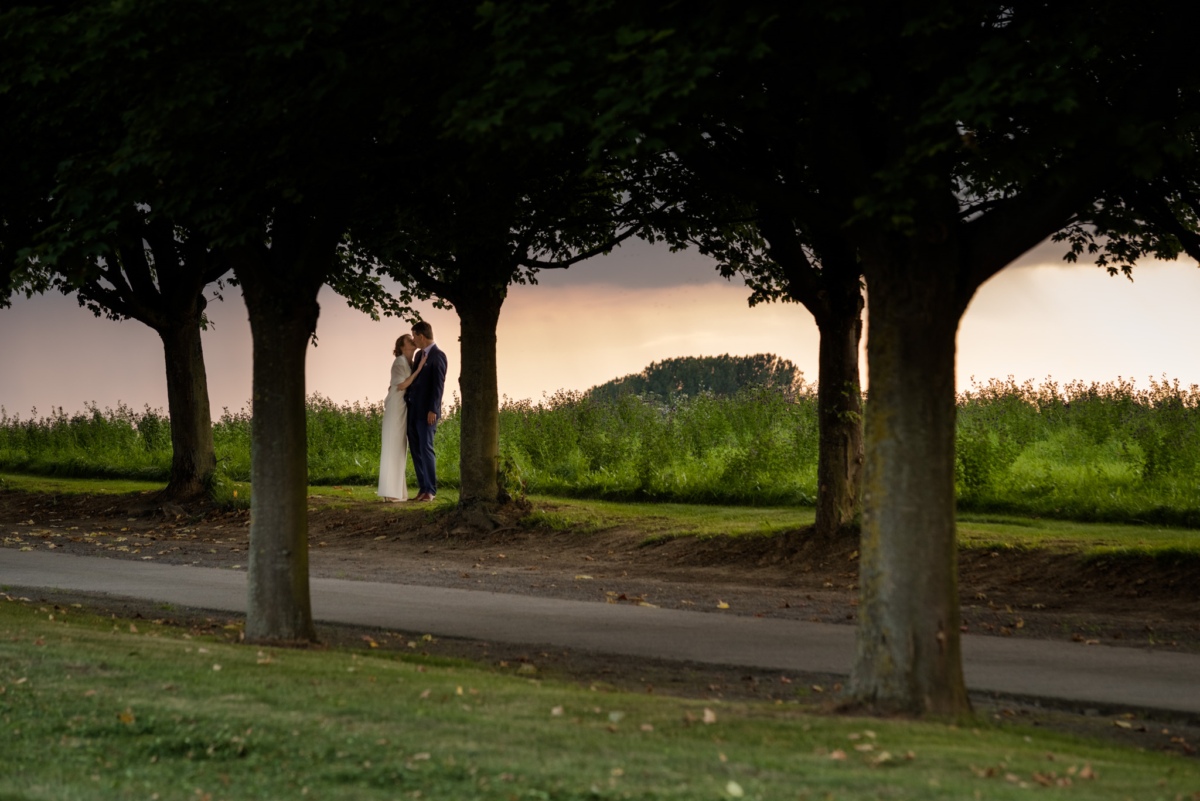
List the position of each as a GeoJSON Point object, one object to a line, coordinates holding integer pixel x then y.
{"type": "Point", "coordinates": [280, 287]}
{"type": "Point", "coordinates": [193, 459]}
{"type": "Point", "coordinates": [908, 653]}
{"type": "Point", "coordinates": [840, 426]}
{"type": "Point", "coordinates": [480, 416]}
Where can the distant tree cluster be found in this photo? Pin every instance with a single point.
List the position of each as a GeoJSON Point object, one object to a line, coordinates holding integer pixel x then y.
{"type": "Point", "coordinates": [723, 376]}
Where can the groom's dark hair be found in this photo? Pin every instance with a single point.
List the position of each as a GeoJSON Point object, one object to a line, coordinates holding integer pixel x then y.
{"type": "Point", "coordinates": [423, 328]}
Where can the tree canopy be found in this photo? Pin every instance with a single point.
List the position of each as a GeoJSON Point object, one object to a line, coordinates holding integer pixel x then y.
{"type": "Point", "coordinates": [696, 375]}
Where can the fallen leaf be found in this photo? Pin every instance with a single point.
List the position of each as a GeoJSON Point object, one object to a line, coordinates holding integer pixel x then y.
{"type": "Point", "coordinates": [735, 790]}
{"type": "Point", "coordinates": [556, 711]}
{"type": "Point", "coordinates": [126, 717]}
{"type": "Point", "coordinates": [582, 577]}
{"type": "Point", "coordinates": [1122, 724]}
{"type": "Point", "coordinates": [722, 605]}
{"type": "Point", "coordinates": [216, 667]}
{"type": "Point", "coordinates": [709, 716]}
{"type": "Point", "coordinates": [837, 754]}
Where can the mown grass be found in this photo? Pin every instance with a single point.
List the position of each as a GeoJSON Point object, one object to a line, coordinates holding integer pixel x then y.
{"type": "Point", "coordinates": [99, 708]}
{"type": "Point", "coordinates": [1096, 452]}
{"type": "Point", "coordinates": [657, 521]}
{"type": "Point", "coordinates": [976, 530]}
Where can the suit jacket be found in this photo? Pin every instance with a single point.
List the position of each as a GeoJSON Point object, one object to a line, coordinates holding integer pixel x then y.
{"type": "Point", "coordinates": [424, 394]}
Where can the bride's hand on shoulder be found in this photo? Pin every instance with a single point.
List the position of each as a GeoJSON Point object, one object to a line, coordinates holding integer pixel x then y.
{"type": "Point", "coordinates": [412, 377]}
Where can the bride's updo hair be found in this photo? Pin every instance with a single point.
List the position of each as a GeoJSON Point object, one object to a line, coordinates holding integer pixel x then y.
{"type": "Point", "coordinates": [399, 349]}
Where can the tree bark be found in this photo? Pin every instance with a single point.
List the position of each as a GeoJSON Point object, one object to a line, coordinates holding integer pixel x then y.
{"type": "Point", "coordinates": [908, 652]}
{"type": "Point", "coordinates": [479, 457]}
{"type": "Point", "coordinates": [280, 287]}
{"type": "Point", "coordinates": [839, 419]}
{"type": "Point", "coordinates": [193, 459]}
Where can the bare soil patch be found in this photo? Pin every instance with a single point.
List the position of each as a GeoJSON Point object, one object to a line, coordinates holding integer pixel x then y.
{"type": "Point", "coordinates": [1127, 602]}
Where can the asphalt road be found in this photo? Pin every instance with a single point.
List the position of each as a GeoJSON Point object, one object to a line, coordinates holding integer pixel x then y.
{"type": "Point", "coordinates": [1100, 676]}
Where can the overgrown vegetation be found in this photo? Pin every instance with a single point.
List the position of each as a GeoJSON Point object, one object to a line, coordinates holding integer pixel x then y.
{"type": "Point", "coordinates": [1104, 452]}
{"type": "Point", "coordinates": [100, 708]}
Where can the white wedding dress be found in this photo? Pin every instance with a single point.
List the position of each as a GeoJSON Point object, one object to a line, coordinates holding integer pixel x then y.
{"type": "Point", "coordinates": [394, 455]}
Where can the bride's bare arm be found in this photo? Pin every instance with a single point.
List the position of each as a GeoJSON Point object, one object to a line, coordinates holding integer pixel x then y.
{"type": "Point", "coordinates": [406, 383]}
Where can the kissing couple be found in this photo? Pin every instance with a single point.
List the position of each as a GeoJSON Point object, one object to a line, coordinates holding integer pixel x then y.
{"type": "Point", "coordinates": [410, 415]}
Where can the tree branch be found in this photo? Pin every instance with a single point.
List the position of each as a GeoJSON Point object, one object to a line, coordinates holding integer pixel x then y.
{"type": "Point", "coordinates": [587, 254]}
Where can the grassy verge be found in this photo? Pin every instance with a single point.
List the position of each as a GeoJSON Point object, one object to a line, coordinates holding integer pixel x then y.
{"type": "Point", "coordinates": [660, 520]}
{"type": "Point", "coordinates": [75, 486]}
{"type": "Point", "coordinates": [1091, 539]}
{"type": "Point", "coordinates": [657, 521]}
{"type": "Point", "coordinates": [98, 708]}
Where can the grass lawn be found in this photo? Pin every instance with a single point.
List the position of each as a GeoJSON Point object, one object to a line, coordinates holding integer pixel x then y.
{"type": "Point", "coordinates": [91, 486]}
{"type": "Point", "coordinates": [659, 520]}
{"type": "Point", "coordinates": [1093, 539]}
{"type": "Point", "coordinates": [100, 708]}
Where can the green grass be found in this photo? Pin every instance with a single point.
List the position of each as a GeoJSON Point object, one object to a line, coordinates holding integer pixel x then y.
{"type": "Point", "coordinates": [99, 708]}
{"type": "Point", "coordinates": [659, 520]}
{"type": "Point", "coordinates": [1097, 452]}
{"type": "Point", "coordinates": [77, 486]}
{"type": "Point", "coordinates": [977, 530]}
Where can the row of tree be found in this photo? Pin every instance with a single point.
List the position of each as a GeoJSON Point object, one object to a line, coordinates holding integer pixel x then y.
{"type": "Point", "coordinates": [916, 148]}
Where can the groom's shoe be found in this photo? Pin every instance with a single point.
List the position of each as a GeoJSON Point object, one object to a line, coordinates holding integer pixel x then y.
{"type": "Point", "coordinates": [425, 496]}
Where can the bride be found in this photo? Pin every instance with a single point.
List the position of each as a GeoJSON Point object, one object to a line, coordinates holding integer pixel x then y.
{"type": "Point", "coordinates": [392, 484]}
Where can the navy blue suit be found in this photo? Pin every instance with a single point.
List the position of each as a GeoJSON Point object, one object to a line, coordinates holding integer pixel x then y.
{"type": "Point", "coordinates": [423, 396]}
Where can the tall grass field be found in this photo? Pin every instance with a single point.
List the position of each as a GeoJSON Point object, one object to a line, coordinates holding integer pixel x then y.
{"type": "Point", "coordinates": [1106, 452]}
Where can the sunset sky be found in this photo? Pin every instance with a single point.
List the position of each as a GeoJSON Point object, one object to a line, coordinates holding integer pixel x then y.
{"type": "Point", "coordinates": [613, 316]}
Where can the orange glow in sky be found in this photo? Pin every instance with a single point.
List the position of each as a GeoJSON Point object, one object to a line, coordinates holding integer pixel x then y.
{"type": "Point", "coordinates": [614, 316]}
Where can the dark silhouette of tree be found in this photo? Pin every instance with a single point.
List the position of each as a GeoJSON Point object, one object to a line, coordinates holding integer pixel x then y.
{"type": "Point", "coordinates": [941, 141]}
{"type": "Point", "coordinates": [723, 375]}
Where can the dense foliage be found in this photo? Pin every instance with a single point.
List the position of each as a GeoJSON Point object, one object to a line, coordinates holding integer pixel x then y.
{"type": "Point", "coordinates": [718, 375]}
{"type": "Point", "coordinates": [1083, 451]}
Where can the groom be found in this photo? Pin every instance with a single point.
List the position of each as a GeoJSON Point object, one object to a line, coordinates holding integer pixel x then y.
{"type": "Point", "coordinates": [424, 400]}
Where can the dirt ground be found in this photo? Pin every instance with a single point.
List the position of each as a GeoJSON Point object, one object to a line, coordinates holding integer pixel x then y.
{"type": "Point", "coordinates": [1129, 602]}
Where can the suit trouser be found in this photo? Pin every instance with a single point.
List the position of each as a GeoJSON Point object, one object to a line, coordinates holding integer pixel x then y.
{"type": "Point", "coordinates": [420, 445]}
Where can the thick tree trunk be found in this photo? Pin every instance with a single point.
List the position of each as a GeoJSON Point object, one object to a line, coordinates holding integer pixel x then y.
{"type": "Point", "coordinates": [480, 416]}
{"type": "Point", "coordinates": [840, 425]}
{"type": "Point", "coordinates": [193, 459]}
{"type": "Point", "coordinates": [908, 655]}
{"type": "Point", "coordinates": [280, 286]}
